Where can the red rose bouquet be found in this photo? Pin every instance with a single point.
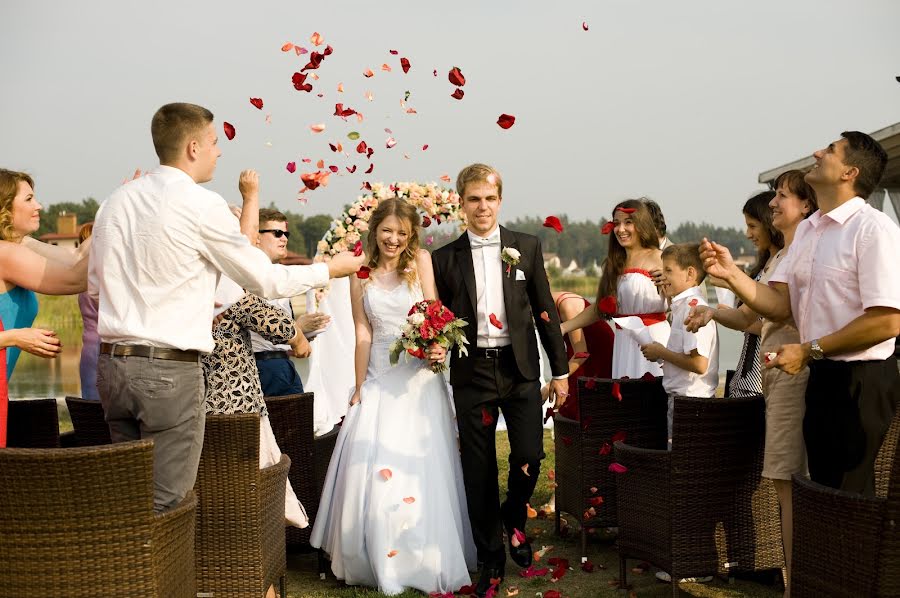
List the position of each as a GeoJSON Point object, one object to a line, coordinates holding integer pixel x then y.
{"type": "Point", "coordinates": [429, 322]}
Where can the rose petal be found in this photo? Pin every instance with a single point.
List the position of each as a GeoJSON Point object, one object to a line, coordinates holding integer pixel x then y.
{"type": "Point", "coordinates": [554, 223]}
{"type": "Point", "coordinates": [317, 128]}
{"type": "Point", "coordinates": [593, 490]}
{"type": "Point", "coordinates": [456, 77]}
{"type": "Point", "coordinates": [545, 316]}
{"type": "Point", "coordinates": [506, 121]}
{"type": "Point", "coordinates": [257, 102]}
{"type": "Point", "coordinates": [617, 468]}
{"type": "Point", "coordinates": [605, 449]}
{"type": "Point", "coordinates": [587, 567]}
{"type": "Point", "coordinates": [361, 147]}
{"type": "Point", "coordinates": [340, 88]}
{"type": "Point", "coordinates": [616, 391]}
{"type": "Point", "coordinates": [390, 142]}
{"type": "Point", "coordinates": [584, 25]}
{"type": "Point", "coordinates": [530, 512]}
{"type": "Point", "coordinates": [386, 67]}
{"type": "Point", "coordinates": [495, 322]}
{"type": "Point", "coordinates": [368, 73]}
{"type": "Point", "coordinates": [409, 500]}
{"type": "Point", "coordinates": [626, 210]}
{"type": "Point", "coordinates": [608, 305]}
{"type": "Point", "coordinates": [385, 473]}
{"type": "Point", "coordinates": [370, 169]}
{"type": "Point", "coordinates": [548, 414]}
{"type": "Point", "coordinates": [424, 147]}
{"type": "Point", "coordinates": [607, 228]}
{"type": "Point", "coordinates": [370, 96]}
{"type": "Point", "coordinates": [596, 501]}
{"type": "Point", "coordinates": [486, 418]}
{"type": "Point", "coordinates": [298, 50]}
{"type": "Point", "coordinates": [426, 221]}
{"type": "Point", "coordinates": [591, 383]}
{"type": "Point", "coordinates": [291, 167]}
{"type": "Point", "coordinates": [320, 164]}
{"type": "Point", "coordinates": [458, 94]}
{"type": "Point", "coordinates": [358, 249]}
{"type": "Point", "coordinates": [316, 39]}
{"type": "Point", "coordinates": [300, 84]}
{"type": "Point", "coordinates": [351, 169]}
{"type": "Point", "coordinates": [445, 178]}
{"type": "Point", "coordinates": [404, 64]}
{"type": "Point", "coordinates": [518, 536]}
{"type": "Point", "coordinates": [229, 130]}
{"type": "Point", "coordinates": [392, 554]}
{"type": "Point", "coordinates": [287, 47]}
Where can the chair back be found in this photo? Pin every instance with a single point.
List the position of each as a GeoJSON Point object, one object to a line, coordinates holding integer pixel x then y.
{"type": "Point", "coordinates": [887, 480]}
{"type": "Point", "coordinates": [76, 522]}
{"type": "Point", "coordinates": [88, 421]}
{"type": "Point", "coordinates": [33, 423]}
{"type": "Point", "coordinates": [291, 417]}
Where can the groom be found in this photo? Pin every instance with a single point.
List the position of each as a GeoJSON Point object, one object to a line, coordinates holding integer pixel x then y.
{"type": "Point", "coordinates": [494, 278]}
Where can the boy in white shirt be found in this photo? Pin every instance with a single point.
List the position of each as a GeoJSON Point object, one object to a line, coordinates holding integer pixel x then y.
{"type": "Point", "coordinates": [691, 359]}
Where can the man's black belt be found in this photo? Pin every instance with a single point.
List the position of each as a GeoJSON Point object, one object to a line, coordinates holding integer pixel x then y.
{"type": "Point", "coordinates": [264, 355]}
{"type": "Point", "coordinates": [147, 351]}
{"type": "Point", "coordinates": [491, 352]}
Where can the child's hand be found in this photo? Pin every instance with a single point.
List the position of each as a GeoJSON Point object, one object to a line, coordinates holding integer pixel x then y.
{"type": "Point", "coordinates": [652, 351]}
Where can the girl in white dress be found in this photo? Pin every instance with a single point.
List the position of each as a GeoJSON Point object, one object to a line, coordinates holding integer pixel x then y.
{"type": "Point", "coordinates": [633, 254]}
{"type": "Point", "coordinates": [393, 512]}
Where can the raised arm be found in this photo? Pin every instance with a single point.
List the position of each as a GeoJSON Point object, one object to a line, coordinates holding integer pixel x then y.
{"type": "Point", "coordinates": [363, 337]}
{"type": "Point", "coordinates": [25, 268]}
{"type": "Point", "coordinates": [248, 184]}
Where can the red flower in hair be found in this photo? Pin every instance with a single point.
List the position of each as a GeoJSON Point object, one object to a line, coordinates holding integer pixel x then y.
{"type": "Point", "coordinates": [608, 228]}
{"type": "Point", "coordinates": [626, 210]}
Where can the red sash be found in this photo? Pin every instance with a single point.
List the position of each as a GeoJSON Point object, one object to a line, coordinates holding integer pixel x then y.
{"type": "Point", "coordinates": [647, 319]}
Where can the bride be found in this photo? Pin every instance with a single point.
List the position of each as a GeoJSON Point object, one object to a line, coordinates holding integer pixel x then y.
{"type": "Point", "coordinates": [393, 511]}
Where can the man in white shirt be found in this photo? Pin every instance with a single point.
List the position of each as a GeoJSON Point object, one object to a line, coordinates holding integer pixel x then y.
{"type": "Point", "coordinates": [840, 282]}
{"type": "Point", "coordinates": [159, 245]}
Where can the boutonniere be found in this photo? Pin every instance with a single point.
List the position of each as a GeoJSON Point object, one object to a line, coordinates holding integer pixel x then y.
{"type": "Point", "coordinates": [510, 257]}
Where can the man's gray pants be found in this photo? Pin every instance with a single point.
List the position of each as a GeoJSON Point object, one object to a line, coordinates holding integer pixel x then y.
{"type": "Point", "coordinates": [161, 400]}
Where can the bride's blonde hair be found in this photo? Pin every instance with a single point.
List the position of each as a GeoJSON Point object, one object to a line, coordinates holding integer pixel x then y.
{"type": "Point", "coordinates": [409, 217]}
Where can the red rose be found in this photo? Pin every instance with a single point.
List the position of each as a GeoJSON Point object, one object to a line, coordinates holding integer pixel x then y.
{"type": "Point", "coordinates": [426, 331]}
{"type": "Point", "coordinates": [608, 305]}
{"type": "Point", "coordinates": [416, 353]}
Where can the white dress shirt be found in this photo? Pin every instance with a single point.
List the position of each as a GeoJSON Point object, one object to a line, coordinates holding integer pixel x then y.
{"type": "Point", "coordinates": [159, 244]}
{"type": "Point", "coordinates": [489, 291]}
{"type": "Point", "coordinates": [681, 382]}
{"type": "Point", "coordinates": [840, 264]}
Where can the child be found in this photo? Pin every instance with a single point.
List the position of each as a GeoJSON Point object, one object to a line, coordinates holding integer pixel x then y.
{"type": "Point", "coordinates": [691, 359]}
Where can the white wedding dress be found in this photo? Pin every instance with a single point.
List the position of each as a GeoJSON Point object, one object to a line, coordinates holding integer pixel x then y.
{"type": "Point", "coordinates": [393, 510]}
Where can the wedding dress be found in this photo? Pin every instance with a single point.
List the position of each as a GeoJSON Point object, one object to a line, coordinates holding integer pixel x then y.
{"type": "Point", "coordinates": [638, 295]}
{"type": "Point", "coordinates": [393, 509]}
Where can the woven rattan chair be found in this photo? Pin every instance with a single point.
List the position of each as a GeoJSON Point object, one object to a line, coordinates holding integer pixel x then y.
{"type": "Point", "coordinates": [79, 522]}
{"type": "Point", "coordinates": [701, 508]}
{"type": "Point", "coordinates": [33, 423]}
{"type": "Point", "coordinates": [291, 417]}
{"type": "Point", "coordinates": [240, 513]}
{"type": "Point", "coordinates": [580, 464]}
{"type": "Point", "coordinates": [89, 422]}
{"type": "Point", "coordinates": [846, 544]}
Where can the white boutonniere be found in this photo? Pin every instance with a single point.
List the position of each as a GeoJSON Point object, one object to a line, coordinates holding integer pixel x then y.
{"type": "Point", "coordinates": [510, 257]}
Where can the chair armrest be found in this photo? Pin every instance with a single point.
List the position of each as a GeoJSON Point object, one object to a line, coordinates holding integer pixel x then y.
{"type": "Point", "coordinates": [173, 549]}
{"type": "Point", "coordinates": [272, 487]}
{"type": "Point", "coordinates": [68, 439]}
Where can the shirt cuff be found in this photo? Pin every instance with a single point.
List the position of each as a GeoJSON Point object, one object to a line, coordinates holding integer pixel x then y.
{"type": "Point", "coordinates": [321, 275]}
{"type": "Point", "coordinates": [563, 377]}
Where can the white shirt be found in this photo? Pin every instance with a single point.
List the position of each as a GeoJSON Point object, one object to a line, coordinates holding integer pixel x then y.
{"type": "Point", "coordinates": [840, 264]}
{"type": "Point", "coordinates": [261, 344]}
{"type": "Point", "coordinates": [489, 292]}
{"type": "Point", "coordinates": [681, 382]}
{"type": "Point", "coordinates": [159, 244]}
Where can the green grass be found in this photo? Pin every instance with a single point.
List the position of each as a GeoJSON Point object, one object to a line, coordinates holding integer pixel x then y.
{"type": "Point", "coordinates": [303, 581]}
{"type": "Point", "coordinates": [586, 286]}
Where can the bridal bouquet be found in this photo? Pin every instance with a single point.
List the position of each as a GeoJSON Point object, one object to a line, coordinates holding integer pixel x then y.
{"type": "Point", "coordinates": [429, 322]}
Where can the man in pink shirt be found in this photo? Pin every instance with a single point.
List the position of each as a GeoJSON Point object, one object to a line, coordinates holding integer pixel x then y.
{"type": "Point", "coordinates": [840, 282]}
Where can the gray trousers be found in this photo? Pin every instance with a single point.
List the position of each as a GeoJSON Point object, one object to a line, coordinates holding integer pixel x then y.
{"type": "Point", "coordinates": [146, 398]}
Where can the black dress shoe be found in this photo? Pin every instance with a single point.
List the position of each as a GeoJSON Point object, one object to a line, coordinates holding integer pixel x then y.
{"type": "Point", "coordinates": [521, 555]}
{"type": "Point", "coordinates": [489, 577]}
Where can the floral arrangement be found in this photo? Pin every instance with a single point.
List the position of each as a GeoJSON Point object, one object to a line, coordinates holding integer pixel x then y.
{"type": "Point", "coordinates": [429, 322]}
{"type": "Point", "coordinates": [510, 257]}
{"type": "Point", "coordinates": [433, 202]}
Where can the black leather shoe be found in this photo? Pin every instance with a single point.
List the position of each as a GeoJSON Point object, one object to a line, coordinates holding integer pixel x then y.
{"type": "Point", "coordinates": [522, 555]}
{"type": "Point", "coordinates": [489, 577]}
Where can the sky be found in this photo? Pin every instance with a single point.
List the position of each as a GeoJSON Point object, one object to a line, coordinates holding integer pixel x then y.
{"type": "Point", "coordinates": [685, 102]}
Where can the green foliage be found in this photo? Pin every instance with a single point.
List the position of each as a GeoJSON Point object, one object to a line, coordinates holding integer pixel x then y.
{"type": "Point", "coordinates": [734, 239]}
{"type": "Point", "coordinates": [84, 210]}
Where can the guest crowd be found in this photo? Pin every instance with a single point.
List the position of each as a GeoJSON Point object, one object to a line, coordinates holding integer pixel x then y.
{"type": "Point", "coordinates": [187, 310]}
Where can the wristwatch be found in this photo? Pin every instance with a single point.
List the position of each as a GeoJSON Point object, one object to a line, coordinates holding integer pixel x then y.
{"type": "Point", "coordinates": [815, 351]}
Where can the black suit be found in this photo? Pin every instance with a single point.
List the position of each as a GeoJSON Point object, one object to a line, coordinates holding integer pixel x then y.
{"type": "Point", "coordinates": [509, 382]}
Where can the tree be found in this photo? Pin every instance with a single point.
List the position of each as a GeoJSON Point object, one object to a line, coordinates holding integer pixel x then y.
{"type": "Point", "coordinates": [314, 228]}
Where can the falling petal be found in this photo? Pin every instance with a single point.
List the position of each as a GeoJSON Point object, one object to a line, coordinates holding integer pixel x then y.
{"type": "Point", "coordinates": [362, 274]}
{"type": "Point", "coordinates": [406, 156]}
{"type": "Point", "coordinates": [404, 64]}
{"type": "Point", "coordinates": [445, 178]}
{"type": "Point", "coordinates": [370, 96]}
{"type": "Point", "coordinates": [361, 147]}
{"type": "Point", "coordinates": [426, 221]}
{"type": "Point", "coordinates": [358, 249]}
{"type": "Point", "coordinates": [386, 67]}
{"type": "Point", "coordinates": [617, 391]}
{"type": "Point", "coordinates": [370, 169]}
{"type": "Point", "coordinates": [392, 554]}
{"type": "Point", "coordinates": [352, 169]}
{"type": "Point", "coordinates": [554, 223]}
{"type": "Point", "coordinates": [496, 323]}
{"type": "Point", "coordinates": [257, 102]}
{"type": "Point", "coordinates": [435, 72]}
{"type": "Point", "coordinates": [545, 316]}
{"type": "Point", "coordinates": [486, 418]}
{"type": "Point", "coordinates": [300, 50]}
{"type": "Point", "coordinates": [333, 168]}
{"type": "Point", "coordinates": [291, 167]}
{"type": "Point", "coordinates": [316, 39]}
{"type": "Point", "coordinates": [506, 121]}
{"type": "Point", "coordinates": [368, 73]}
{"type": "Point", "coordinates": [229, 130]}
{"type": "Point", "coordinates": [584, 25]}
{"type": "Point", "coordinates": [300, 84]}
{"type": "Point", "coordinates": [306, 160]}
{"type": "Point", "coordinates": [386, 473]}
{"type": "Point", "coordinates": [411, 111]}
{"type": "Point", "coordinates": [393, 52]}
{"type": "Point", "coordinates": [390, 142]}
{"type": "Point", "coordinates": [340, 88]}
{"type": "Point", "coordinates": [596, 501]}
{"type": "Point", "coordinates": [287, 47]}
{"type": "Point", "coordinates": [409, 500]}
{"type": "Point", "coordinates": [424, 147]}
{"type": "Point", "coordinates": [317, 128]}
{"type": "Point", "coordinates": [458, 94]}
{"type": "Point", "coordinates": [607, 228]}
{"type": "Point", "coordinates": [268, 119]}
{"type": "Point", "coordinates": [320, 164]}
{"type": "Point", "coordinates": [605, 449]}
{"type": "Point", "coordinates": [456, 77]}
{"type": "Point", "coordinates": [618, 436]}
{"type": "Point", "coordinates": [525, 470]}
{"type": "Point", "coordinates": [529, 510]}
{"type": "Point", "coordinates": [617, 468]}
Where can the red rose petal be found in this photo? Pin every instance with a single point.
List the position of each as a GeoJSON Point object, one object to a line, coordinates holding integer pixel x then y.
{"type": "Point", "coordinates": [390, 142]}
{"type": "Point", "coordinates": [458, 94]}
{"type": "Point", "coordinates": [370, 169]}
{"type": "Point", "coordinates": [607, 228]}
{"type": "Point", "coordinates": [618, 436]}
{"type": "Point", "coordinates": [426, 221]}
{"type": "Point", "coordinates": [404, 64]}
{"type": "Point", "coordinates": [291, 167]}
{"type": "Point", "coordinates": [385, 473]}
{"type": "Point", "coordinates": [363, 272]}
{"type": "Point", "coordinates": [257, 102]}
{"type": "Point", "coordinates": [608, 305]}
{"type": "Point", "coordinates": [393, 52]}
{"type": "Point", "coordinates": [424, 147]}
{"type": "Point", "coordinates": [587, 567]}
{"type": "Point", "coordinates": [552, 593]}
{"type": "Point", "coordinates": [495, 322]}
{"type": "Point", "coordinates": [361, 147]}
{"type": "Point", "coordinates": [456, 77]}
{"type": "Point", "coordinates": [287, 47]}
{"type": "Point", "coordinates": [300, 84]}
{"type": "Point", "coordinates": [351, 169]}
{"type": "Point", "coordinates": [506, 121]}
{"type": "Point", "coordinates": [548, 414]}
{"type": "Point", "coordinates": [358, 249]}
{"type": "Point", "coordinates": [693, 302]}
{"type": "Point", "coordinates": [596, 501]}
{"type": "Point", "coordinates": [648, 377]}
{"type": "Point", "coordinates": [545, 316]}
{"type": "Point", "coordinates": [445, 178]}
{"type": "Point", "coordinates": [486, 418]}
{"type": "Point", "coordinates": [617, 468]}
{"type": "Point", "coordinates": [333, 168]}
{"type": "Point", "coordinates": [626, 210]}
{"type": "Point", "coordinates": [584, 25]}
{"type": "Point", "coordinates": [229, 130]}
{"type": "Point", "coordinates": [518, 535]}
{"type": "Point", "coordinates": [605, 449]}
{"type": "Point", "coordinates": [554, 223]}
{"type": "Point", "coordinates": [409, 500]}
{"type": "Point", "coordinates": [616, 391]}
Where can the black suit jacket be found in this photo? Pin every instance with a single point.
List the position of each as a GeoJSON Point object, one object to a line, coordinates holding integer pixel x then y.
{"type": "Point", "coordinates": [525, 300]}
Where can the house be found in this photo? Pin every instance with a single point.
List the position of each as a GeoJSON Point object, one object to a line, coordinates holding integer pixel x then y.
{"type": "Point", "coordinates": [66, 234]}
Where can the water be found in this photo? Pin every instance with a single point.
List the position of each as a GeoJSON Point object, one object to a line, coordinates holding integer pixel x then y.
{"type": "Point", "coordinates": [36, 377]}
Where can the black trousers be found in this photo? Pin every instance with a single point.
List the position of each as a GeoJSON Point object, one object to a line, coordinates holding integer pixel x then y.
{"type": "Point", "coordinates": [496, 386]}
{"type": "Point", "coordinates": [849, 408]}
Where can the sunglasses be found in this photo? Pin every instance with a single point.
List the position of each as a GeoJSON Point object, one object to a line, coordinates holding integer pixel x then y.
{"type": "Point", "coordinates": [277, 232]}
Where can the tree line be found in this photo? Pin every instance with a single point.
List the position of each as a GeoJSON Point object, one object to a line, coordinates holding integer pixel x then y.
{"type": "Point", "coordinates": [580, 240]}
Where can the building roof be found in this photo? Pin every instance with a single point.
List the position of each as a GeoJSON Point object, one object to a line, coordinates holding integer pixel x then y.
{"type": "Point", "coordinates": [888, 137]}
{"type": "Point", "coordinates": [57, 237]}
{"type": "Point", "coordinates": [295, 259]}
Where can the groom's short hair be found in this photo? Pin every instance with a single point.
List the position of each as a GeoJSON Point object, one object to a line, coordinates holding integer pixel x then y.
{"type": "Point", "coordinates": [476, 173]}
{"type": "Point", "coordinates": [173, 124]}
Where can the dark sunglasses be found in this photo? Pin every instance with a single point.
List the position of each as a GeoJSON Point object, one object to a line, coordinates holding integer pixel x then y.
{"type": "Point", "coordinates": [277, 232]}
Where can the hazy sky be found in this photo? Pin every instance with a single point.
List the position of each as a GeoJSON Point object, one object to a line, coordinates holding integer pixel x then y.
{"type": "Point", "coordinates": [686, 102]}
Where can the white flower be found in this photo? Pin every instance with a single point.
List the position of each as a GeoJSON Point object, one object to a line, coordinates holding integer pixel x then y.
{"type": "Point", "coordinates": [416, 318]}
{"type": "Point", "coordinates": [512, 253]}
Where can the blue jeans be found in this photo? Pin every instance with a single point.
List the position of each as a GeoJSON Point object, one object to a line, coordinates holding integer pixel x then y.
{"type": "Point", "coordinates": [278, 377]}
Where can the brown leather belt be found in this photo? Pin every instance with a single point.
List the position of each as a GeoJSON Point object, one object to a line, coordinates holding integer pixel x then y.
{"type": "Point", "coordinates": [145, 351]}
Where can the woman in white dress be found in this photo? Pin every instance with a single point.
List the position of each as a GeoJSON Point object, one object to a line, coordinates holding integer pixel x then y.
{"type": "Point", "coordinates": [393, 512]}
{"type": "Point", "coordinates": [633, 254]}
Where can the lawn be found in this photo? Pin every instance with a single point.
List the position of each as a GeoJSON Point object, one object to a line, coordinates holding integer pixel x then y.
{"type": "Point", "coordinates": [303, 581]}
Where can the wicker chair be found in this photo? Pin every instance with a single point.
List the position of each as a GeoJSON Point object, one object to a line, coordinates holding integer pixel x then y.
{"type": "Point", "coordinates": [291, 417]}
{"type": "Point", "coordinates": [89, 422]}
{"type": "Point", "coordinates": [701, 508]}
{"type": "Point", "coordinates": [79, 522]}
{"type": "Point", "coordinates": [580, 466]}
{"type": "Point", "coordinates": [33, 423]}
{"type": "Point", "coordinates": [846, 544]}
{"type": "Point", "coordinates": [240, 513]}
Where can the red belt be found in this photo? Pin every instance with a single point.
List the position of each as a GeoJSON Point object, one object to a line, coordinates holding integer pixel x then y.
{"type": "Point", "coordinates": [647, 319]}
